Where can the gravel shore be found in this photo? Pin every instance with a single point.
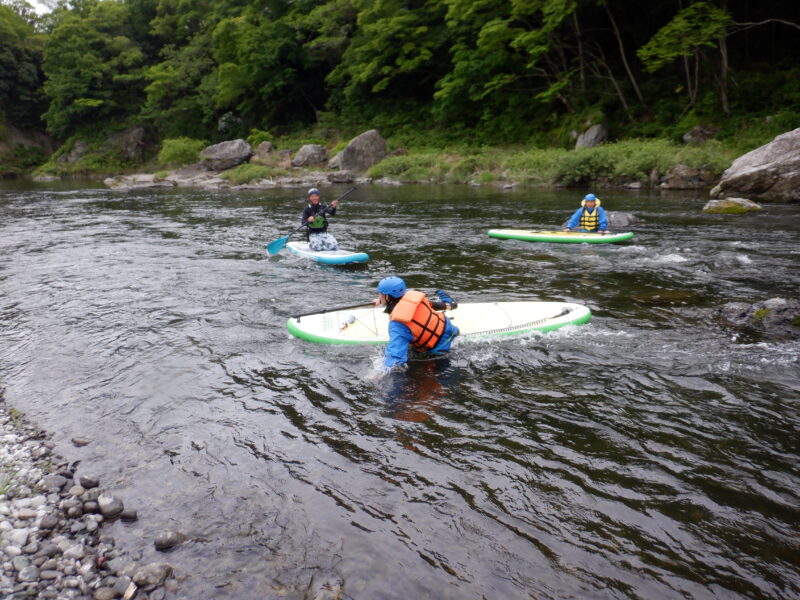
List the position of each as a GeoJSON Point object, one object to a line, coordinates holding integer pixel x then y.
{"type": "Point", "coordinates": [52, 543]}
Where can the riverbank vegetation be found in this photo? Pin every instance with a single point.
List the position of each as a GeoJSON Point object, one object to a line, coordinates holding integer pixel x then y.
{"type": "Point", "coordinates": [491, 88]}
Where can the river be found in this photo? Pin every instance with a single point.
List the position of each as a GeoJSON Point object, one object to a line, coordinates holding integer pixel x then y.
{"type": "Point", "coordinates": [651, 453]}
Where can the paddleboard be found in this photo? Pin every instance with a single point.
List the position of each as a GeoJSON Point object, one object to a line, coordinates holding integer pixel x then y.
{"type": "Point", "coordinates": [328, 257]}
{"type": "Point", "coordinates": [563, 237]}
{"type": "Point", "coordinates": [369, 325]}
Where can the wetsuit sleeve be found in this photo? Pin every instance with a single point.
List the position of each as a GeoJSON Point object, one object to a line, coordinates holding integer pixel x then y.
{"type": "Point", "coordinates": [602, 220]}
{"type": "Point", "coordinates": [575, 218]}
{"type": "Point", "coordinates": [400, 337]}
{"type": "Point", "coordinates": [442, 305]}
{"type": "Point", "coordinates": [306, 214]}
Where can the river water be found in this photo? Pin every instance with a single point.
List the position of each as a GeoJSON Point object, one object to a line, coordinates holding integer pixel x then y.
{"type": "Point", "coordinates": [648, 454]}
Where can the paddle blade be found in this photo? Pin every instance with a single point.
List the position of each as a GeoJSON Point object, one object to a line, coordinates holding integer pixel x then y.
{"type": "Point", "coordinates": [274, 247]}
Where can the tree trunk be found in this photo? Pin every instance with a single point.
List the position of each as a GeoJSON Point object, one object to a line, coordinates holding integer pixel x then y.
{"type": "Point", "coordinates": [625, 58]}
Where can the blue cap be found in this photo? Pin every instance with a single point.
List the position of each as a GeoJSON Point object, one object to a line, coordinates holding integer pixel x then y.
{"type": "Point", "coordinates": [313, 191]}
{"type": "Point", "coordinates": [590, 197]}
{"type": "Point", "coordinates": [392, 286]}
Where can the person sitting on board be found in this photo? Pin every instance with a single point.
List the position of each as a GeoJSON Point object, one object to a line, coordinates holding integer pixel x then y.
{"type": "Point", "coordinates": [314, 217]}
{"type": "Point", "coordinates": [589, 217]}
{"type": "Point", "coordinates": [414, 321]}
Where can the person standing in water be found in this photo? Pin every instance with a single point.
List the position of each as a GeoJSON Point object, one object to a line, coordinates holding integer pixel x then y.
{"type": "Point", "coordinates": [314, 218]}
{"type": "Point", "coordinates": [414, 321]}
{"type": "Point", "coordinates": [589, 217]}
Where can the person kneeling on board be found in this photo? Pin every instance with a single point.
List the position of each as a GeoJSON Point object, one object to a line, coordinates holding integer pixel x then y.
{"type": "Point", "coordinates": [314, 217]}
{"type": "Point", "coordinates": [414, 321]}
{"type": "Point", "coordinates": [589, 217]}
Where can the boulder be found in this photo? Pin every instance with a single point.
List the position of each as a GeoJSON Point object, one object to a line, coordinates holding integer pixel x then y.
{"type": "Point", "coordinates": [226, 155]}
{"type": "Point", "coordinates": [594, 136]}
{"type": "Point", "coordinates": [683, 177]}
{"type": "Point", "coordinates": [130, 144]}
{"type": "Point", "coordinates": [79, 148]}
{"type": "Point", "coordinates": [619, 219]}
{"type": "Point", "coordinates": [770, 173]}
{"type": "Point", "coordinates": [700, 134]}
{"type": "Point", "coordinates": [264, 154]}
{"type": "Point", "coordinates": [310, 155]}
{"type": "Point", "coordinates": [361, 153]}
{"type": "Point", "coordinates": [730, 206]}
{"type": "Point", "coordinates": [776, 317]}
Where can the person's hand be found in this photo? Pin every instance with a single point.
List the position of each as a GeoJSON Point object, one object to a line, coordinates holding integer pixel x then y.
{"type": "Point", "coordinates": [605, 232]}
{"type": "Point", "coordinates": [567, 229]}
{"type": "Point", "coordinates": [335, 203]}
{"type": "Point", "coordinates": [376, 302]}
{"type": "Point", "coordinates": [311, 219]}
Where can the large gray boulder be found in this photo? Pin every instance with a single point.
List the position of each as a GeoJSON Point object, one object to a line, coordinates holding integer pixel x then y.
{"type": "Point", "coordinates": [310, 155]}
{"type": "Point", "coordinates": [226, 155]}
{"type": "Point", "coordinates": [594, 136]}
{"type": "Point", "coordinates": [776, 317]}
{"type": "Point", "coordinates": [361, 153]}
{"type": "Point", "coordinates": [130, 144]}
{"type": "Point", "coordinates": [771, 172]}
{"type": "Point", "coordinates": [619, 219]}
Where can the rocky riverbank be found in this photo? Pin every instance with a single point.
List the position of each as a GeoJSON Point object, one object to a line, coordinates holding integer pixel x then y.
{"type": "Point", "coordinates": [52, 539]}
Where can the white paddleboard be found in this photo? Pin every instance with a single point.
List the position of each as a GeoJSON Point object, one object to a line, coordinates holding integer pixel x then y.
{"type": "Point", "coordinates": [369, 325]}
{"type": "Point", "coordinates": [328, 257]}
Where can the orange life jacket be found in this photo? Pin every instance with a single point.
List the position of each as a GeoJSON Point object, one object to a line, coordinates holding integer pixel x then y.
{"type": "Point", "coordinates": [415, 311]}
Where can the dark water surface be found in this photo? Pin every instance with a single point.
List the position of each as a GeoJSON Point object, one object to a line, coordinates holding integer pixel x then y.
{"type": "Point", "coordinates": [648, 454]}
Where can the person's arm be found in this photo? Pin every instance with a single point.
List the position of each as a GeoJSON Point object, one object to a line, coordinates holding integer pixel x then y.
{"type": "Point", "coordinates": [306, 214]}
{"type": "Point", "coordinates": [443, 305]}
{"type": "Point", "coordinates": [400, 337]}
{"type": "Point", "coordinates": [331, 210]}
{"type": "Point", "coordinates": [602, 220]}
{"type": "Point", "coordinates": [574, 219]}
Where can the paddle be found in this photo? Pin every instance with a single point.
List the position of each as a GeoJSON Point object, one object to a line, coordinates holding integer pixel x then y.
{"type": "Point", "coordinates": [276, 246]}
{"type": "Point", "coordinates": [327, 310]}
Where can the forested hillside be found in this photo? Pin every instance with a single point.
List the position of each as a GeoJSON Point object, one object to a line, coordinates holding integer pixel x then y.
{"type": "Point", "coordinates": [425, 72]}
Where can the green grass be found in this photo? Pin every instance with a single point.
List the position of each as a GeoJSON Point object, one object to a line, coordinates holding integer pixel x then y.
{"type": "Point", "coordinates": [249, 172]}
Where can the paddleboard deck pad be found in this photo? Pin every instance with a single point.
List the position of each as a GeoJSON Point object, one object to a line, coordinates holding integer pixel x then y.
{"type": "Point", "coordinates": [369, 325]}
{"type": "Point", "coordinates": [563, 237]}
{"type": "Point", "coordinates": [328, 257]}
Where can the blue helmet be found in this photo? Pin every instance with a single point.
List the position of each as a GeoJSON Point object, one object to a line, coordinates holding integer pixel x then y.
{"type": "Point", "coordinates": [392, 286]}
{"type": "Point", "coordinates": [312, 191]}
{"type": "Point", "coordinates": [589, 198]}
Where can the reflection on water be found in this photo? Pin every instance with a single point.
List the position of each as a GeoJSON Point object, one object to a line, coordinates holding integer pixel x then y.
{"type": "Point", "coordinates": [648, 454]}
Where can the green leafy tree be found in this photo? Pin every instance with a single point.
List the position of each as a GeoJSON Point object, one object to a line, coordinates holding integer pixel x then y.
{"type": "Point", "coordinates": [94, 68]}
{"type": "Point", "coordinates": [21, 97]}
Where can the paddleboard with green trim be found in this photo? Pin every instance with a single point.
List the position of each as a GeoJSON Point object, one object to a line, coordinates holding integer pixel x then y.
{"type": "Point", "coordinates": [562, 237]}
{"type": "Point", "coordinates": [369, 325]}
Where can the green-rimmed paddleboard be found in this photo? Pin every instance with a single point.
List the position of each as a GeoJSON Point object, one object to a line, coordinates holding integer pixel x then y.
{"type": "Point", "coordinates": [563, 237]}
{"type": "Point", "coordinates": [369, 325]}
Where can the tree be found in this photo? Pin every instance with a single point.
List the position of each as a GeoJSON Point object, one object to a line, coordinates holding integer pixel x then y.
{"type": "Point", "coordinates": [21, 98]}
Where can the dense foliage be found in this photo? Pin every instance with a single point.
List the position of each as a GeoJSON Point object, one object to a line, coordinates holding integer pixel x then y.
{"type": "Point", "coordinates": [477, 71]}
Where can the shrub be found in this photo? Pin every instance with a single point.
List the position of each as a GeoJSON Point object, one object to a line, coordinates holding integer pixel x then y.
{"type": "Point", "coordinates": [257, 136]}
{"type": "Point", "coordinates": [180, 151]}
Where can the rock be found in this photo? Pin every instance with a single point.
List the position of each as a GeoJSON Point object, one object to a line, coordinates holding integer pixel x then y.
{"type": "Point", "coordinates": [776, 317]}
{"type": "Point", "coordinates": [594, 136]}
{"type": "Point", "coordinates": [110, 506]}
{"type": "Point", "coordinates": [700, 134]}
{"type": "Point", "coordinates": [105, 593]}
{"type": "Point", "coordinates": [49, 574]}
{"type": "Point", "coordinates": [129, 515]}
{"type": "Point", "coordinates": [26, 514]}
{"type": "Point", "coordinates": [152, 574]}
{"type": "Point", "coordinates": [310, 155]}
{"type": "Point", "coordinates": [129, 144]}
{"type": "Point", "coordinates": [284, 159]}
{"type": "Point", "coordinates": [264, 154]}
{"type": "Point", "coordinates": [48, 522]}
{"type": "Point", "coordinates": [77, 552]}
{"type": "Point", "coordinates": [88, 482]}
{"type": "Point", "coordinates": [618, 219]}
{"type": "Point", "coordinates": [81, 441]}
{"type": "Point", "coordinates": [54, 482]}
{"type": "Point", "coordinates": [226, 155]}
{"type": "Point", "coordinates": [167, 539]}
{"type": "Point", "coordinates": [17, 537]}
{"type": "Point", "coordinates": [78, 150]}
{"type": "Point", "coordinates": [361, 153]}
{"type": "Point", "coordinates": [340, 177]}
{"type": "Point", "coordinates": [770, 173]}
{"type": "Point", "coordinates": [29, 573]}
{"type": "Point", "coordinates": [683, 177]}
{"type": "Point", "coordinates": [730, 206]}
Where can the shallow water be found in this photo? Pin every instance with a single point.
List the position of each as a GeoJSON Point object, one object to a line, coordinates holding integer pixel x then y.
{"type": "Point", "coordinates": [649, 454]}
